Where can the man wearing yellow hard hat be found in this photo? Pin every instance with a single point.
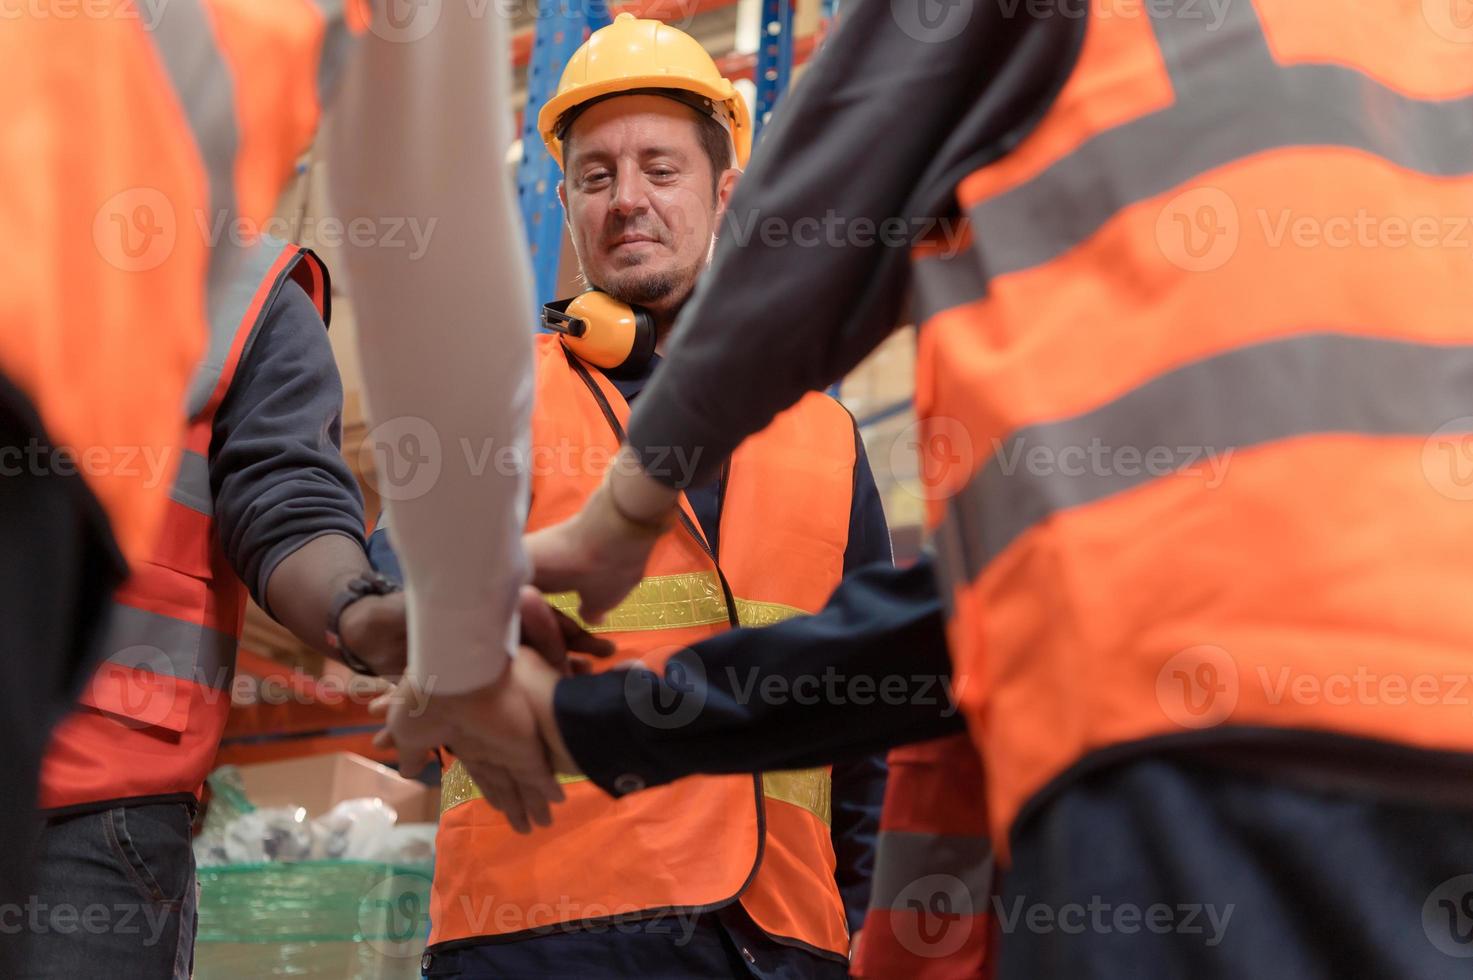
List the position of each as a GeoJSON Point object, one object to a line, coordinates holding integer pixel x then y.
{"type": "Point", "coordinates": [725, 876]}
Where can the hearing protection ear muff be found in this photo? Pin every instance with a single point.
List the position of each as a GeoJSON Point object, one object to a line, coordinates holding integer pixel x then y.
{"type": "Point", "coordinates": [604, 332]}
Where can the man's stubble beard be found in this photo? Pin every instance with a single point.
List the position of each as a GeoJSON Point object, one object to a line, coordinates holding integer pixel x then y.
{"type": "Point", "coordinates": [664, 292]}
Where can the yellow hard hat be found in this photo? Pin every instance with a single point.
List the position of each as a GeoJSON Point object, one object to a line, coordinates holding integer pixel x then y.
{"type": "Point", "coordinates": [632, 54]}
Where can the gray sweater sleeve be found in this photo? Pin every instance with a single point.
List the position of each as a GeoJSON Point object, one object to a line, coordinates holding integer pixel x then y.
{"type": "Point", "coordinates": [277, 473]}
{"type": "Point", "coordinates": [860, 162]}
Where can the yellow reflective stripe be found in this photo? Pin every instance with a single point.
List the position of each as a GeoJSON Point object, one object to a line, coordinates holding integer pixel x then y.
{"type": "Point", "coordinates": [457, 787]}
{"type": "Point", "coordinates": [660, 602]}
{"type": "Point", "coordinates": [810, 789]}
{"type": "Point", "coordinates": [667, 602]}
{"type": "Point", "coordinates": [673, 602]}
{"type": "Point", "coordinates": [750, 612]}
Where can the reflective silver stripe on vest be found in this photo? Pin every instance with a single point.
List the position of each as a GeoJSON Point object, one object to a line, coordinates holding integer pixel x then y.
{"type": "Point", "coordinates": [228, 308]}
{"type": "Point", "coordinates": [913, 871]}
{"type": "Point", "coordinates": [946, 281]}
{"type": "Point", "coordinates": [203, 83]}
{"type": "Point", "coordinates": [1319, 384]}
{"type": "Point", "coordinates": [192, 484]}
{"type": "Point", "coordinates": [150, 641]}
{"type": "Point", "coordinates": [1232, 101]}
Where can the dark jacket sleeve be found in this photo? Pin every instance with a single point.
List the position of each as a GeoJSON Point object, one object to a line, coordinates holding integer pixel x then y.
{"type": "Point", "coordinates": [860, 162]}
{"type": "Point", "coordinates": [868, 672]}
{"type": "Point", "coordinates": [277, 472]}
{"type": "Point", "coordinates": [859, 784]}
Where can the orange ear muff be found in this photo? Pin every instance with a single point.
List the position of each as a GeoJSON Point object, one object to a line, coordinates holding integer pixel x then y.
{"type": "Point", "coordinates": [604, 332]}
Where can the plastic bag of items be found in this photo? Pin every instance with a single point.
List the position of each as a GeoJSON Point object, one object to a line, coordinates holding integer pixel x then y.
{"type": "Point", "coordinates": [236, 832]}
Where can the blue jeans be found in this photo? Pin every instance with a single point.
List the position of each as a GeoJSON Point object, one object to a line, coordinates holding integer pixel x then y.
{"type": "Point", "coordinates": [114, 897]}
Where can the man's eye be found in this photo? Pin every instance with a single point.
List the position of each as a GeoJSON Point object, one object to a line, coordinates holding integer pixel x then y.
{"type": "Point", "coordinates": [597, 177]}
{"type": "Point", "coordinates": [662, 172]}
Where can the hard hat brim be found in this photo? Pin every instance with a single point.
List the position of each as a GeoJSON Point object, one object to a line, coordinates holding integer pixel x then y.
{"type": "Point", "coordinates": [723, 95]}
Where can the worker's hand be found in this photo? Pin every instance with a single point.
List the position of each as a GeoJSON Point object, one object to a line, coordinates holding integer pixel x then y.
{"type": "Point", "coordinates": [600, 553]}
{"type": "Point", "coordinates": [376, 630]}
{"type": "Point", "coordinates": [491, 730]}
{"type": "Point", "coordinates": [554, 635]}
{"type": "Point", "coordinates": [539, 680]}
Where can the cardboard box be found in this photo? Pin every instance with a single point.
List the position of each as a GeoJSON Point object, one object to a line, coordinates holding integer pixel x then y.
{"type": "Point", "coordinates": [321, 782]}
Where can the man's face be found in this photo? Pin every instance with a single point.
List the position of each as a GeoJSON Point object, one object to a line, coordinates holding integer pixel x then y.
{"type": "Point", "coordinates": [638, 196]}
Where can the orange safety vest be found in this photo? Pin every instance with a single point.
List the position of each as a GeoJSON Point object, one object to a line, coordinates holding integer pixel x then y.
{"type": "Point", "coordinates": [150, 721]}
{"type": "Point", "coordinates": [929, 916]}
{"type": "Point", "coordinates": [1203, 380]}
{"type": "Point", "coordinates": [136, 136]}
{"type": "Point", "coordinates": [703, 842]}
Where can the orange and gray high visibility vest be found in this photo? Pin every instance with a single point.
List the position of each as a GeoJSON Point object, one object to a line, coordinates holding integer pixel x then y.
{"type": "Point", "coordinates": [1203, 380]}
{"type": "Point", "coordinates": [929, 916]}
{"type": "Point", "coordinates": [138, 138]}
{"type": "Point", "coordinates": [706, 841]}
{"type": "Point", "coordinates": [149, 722]}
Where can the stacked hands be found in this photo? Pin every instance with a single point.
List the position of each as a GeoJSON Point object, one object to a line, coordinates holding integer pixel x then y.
{"type": "Point", "coordinates": [506, 733]}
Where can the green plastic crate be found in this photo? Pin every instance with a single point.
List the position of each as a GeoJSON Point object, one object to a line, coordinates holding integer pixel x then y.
{"type": "Point", "coordinates": [324, 920]}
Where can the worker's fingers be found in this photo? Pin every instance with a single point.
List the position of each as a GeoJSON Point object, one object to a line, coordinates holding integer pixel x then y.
{"type": "Point", "coordinates": [592, 611]}
{"type": "Point", "coordinates": [397, 692]}
{"type": "Point", "coordinates": [540, 628]}
{"type": "Point", "coordinates": [486, 780]}
{"type": "Point", "coordinates": [543, 782]}
{"type": "Point", "coordinates": [413, 758]}
{"type": "Point", "coordinates": [525, 826]}
{"type": "Point", "coordinates": [500, 791]}
{"type": "Point", "coordinates": [536, 805]}
{"type": "Point", "coordinates": [575, 637]}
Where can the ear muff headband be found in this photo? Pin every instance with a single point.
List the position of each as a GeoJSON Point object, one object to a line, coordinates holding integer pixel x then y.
{"type": "Point", "coordinates": [606, 333]}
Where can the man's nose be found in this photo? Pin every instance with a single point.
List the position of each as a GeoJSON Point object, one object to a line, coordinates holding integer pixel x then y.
{"type": "Point", "coordinates": [629, 194]}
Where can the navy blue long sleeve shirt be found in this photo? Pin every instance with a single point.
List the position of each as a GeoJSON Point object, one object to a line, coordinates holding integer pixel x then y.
{"type": "Point", "coordinates": [868, 672]}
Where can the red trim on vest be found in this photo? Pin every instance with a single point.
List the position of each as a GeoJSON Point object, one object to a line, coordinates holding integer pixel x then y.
{"type": "Point", "coordinates": [141, 733]}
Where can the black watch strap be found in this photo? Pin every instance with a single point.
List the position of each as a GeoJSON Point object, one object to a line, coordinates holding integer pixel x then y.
{"type": "Point", "coordinates": [373, 583]}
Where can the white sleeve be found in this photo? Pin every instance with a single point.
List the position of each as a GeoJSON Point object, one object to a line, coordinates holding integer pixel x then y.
{"type": "Point", "coordinates": [420, 131]}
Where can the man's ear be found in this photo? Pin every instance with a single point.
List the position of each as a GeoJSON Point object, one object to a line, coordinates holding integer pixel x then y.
{"type": "Point", "coordinates": [562, 194]}
{"type": "Point", "coordinates": [725, 184]}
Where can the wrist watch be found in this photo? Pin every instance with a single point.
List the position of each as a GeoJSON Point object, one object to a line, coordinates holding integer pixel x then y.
{"type": "Point", "coordinates": [373, 583]}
